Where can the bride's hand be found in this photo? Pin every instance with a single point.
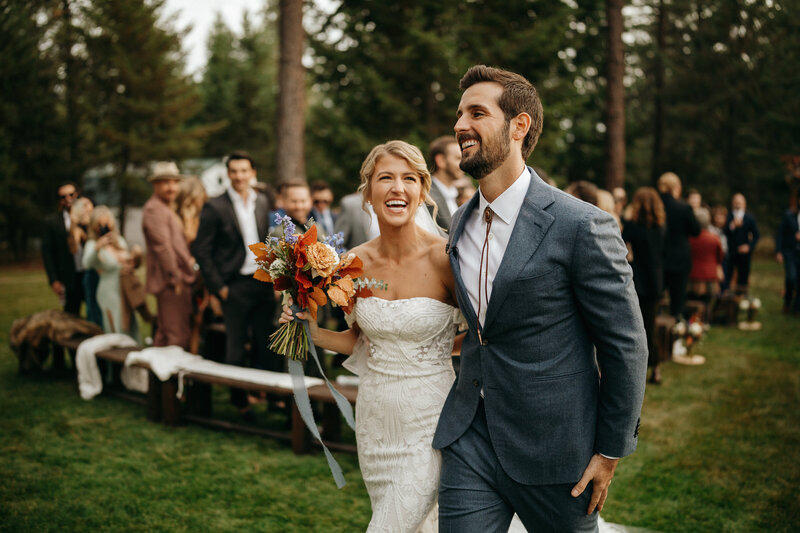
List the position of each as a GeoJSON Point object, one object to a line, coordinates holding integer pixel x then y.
{"type": "Point", "coordinates": [287, 316]}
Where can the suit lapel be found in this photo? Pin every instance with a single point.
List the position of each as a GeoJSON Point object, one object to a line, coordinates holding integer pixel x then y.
{"type": "Point", "coordinates": [232, 213]}
{"type": "Point", "coordinates": [532, 224]}
{"type": "Point", "coordinates": [452, 249]}
{"type": "Point", "coordinates": [262, 215]}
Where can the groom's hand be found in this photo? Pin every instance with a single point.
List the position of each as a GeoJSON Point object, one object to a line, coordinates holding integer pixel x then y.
{"type": "Point", "coordinates": [599, 472]}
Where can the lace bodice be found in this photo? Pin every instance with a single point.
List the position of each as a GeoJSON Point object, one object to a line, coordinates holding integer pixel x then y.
{"type": "Point", "coordinates": [408, 337]}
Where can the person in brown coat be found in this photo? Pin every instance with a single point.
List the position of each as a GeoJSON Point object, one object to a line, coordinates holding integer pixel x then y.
{"type": "Point", "coordinates": [170, 266]}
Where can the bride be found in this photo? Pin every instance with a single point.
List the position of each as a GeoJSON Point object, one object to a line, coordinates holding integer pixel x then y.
{"type": "Point", "coordinates": [410, 330]}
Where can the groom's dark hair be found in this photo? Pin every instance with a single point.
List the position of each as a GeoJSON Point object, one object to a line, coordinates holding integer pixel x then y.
{"type": "Point", "coordinates": [519, 96]}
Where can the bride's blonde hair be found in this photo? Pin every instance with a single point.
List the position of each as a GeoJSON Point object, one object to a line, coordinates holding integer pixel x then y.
{"type": "Point", "coordinates": [403, 150]}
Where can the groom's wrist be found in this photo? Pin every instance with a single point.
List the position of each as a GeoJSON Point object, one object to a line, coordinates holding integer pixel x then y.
{"type": "Point", "coordinates": [608, 456]}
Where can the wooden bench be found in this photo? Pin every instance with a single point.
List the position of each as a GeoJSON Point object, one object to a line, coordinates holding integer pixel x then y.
{"type": "Point", "coordinates": [159, 407]}
{"type": "Point", "coordinates": [163, 404]}
{"type": "Point", "coordinates": [197, 391]}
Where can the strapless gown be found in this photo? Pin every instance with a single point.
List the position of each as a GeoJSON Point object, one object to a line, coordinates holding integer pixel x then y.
{"type": "Point", "coordinates": [402, 388]}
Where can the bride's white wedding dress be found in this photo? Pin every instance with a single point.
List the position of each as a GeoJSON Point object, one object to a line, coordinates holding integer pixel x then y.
{"type": "Point", "coordinates": [402, 388]}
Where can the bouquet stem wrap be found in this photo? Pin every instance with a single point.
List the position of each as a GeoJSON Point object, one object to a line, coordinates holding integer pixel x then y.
{"type": "Point", "coordinates": [303, 402]}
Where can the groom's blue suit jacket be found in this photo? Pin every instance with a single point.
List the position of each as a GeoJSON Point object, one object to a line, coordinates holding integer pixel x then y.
{"type": "Point", "coordinates": [564, 359]}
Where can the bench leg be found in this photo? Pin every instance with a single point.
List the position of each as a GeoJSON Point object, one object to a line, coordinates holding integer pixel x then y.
{"type": "Point", "coordinates": [153, 398]}
{"type": "Point", "coordinates": [331, 425]}
{"type": "Point", "coordinates": [301, 438]}
{"type": "Point", "coordinates": [198, 398]}
{"type": "Point", "coordinates": [170, 404]}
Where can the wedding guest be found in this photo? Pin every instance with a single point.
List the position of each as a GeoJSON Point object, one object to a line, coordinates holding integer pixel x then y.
{"type": "Point", "coordinates": [297, 204]}
{"type": "Point", "coordinates": [694, 199]}
{"type": "Point", "coordinates": [356, 223]}
{"type": "Point", "coordinates": [64, 269]}
{"type": "Point", "coordinates": [719, 214]}
{"type": "Point", "coordinates": [644, 232]}
{"type": "Point", "coordinates": [466, 190]}
{"type": "Point", "coordinates": [620, 201]}
{"type": "Point", "coordinates": [583, 190]}
{"type": "Point", "coordinates": [706, 259]}
{"type": "Point", "coordinates": [170, 266]}
{"type": "Point", "coordinates": [230, 223]}
{"type": "Point", "coordinates": [681, 225]}
{"type": "Point", "coordinates": [81, 213]}
{"type": "Point", "coordinates": [322, 200]}
{"type": "Point", "coordinates": [188, 204]}
{"type": "Point", "coordinates": [742, 233]}
{"type": "Point", "coordinates": [787, 251]}
{"type": "Point", "coordinates": [107, 252]}
{"type": "Point", "coordinates": [605, 201]}
{"type": "Point", "coordinates": [444, 156]}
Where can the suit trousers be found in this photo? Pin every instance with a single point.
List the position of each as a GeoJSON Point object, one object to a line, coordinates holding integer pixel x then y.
{"type": "Point", "coordinates": [676, 283]}
{"type": "Point", "coordinates": [477, 496]}
{"type": "Point", "coordinates": [73, 295]}
{"type": "Point", "coordinates": [249, 307]}
{"type": "Point", "coordinates": [173, 323]}
{"type": "Point", "coordinates": [740, 263]}
{"type": "Point", "coordinates": [791, 296]}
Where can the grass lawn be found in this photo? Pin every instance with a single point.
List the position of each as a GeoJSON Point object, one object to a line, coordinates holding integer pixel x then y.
{"type": "Point", "coordinates": [719, 448]}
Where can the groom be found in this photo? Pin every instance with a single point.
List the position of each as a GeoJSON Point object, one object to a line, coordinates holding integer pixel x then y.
{"type": "Point", "coordinates": [553, 367]}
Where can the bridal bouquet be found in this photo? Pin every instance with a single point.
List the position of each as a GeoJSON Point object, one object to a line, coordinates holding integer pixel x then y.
{"type": "Point", "coordinates": [310, 272]}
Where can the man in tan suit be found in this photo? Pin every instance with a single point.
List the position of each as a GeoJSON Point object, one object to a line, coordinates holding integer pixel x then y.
{"type": "Point", "coordinates": [170, 266]}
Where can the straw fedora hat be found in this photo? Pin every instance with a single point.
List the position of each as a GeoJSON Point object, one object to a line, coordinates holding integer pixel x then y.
{"type": "Point", "coordinates": [165, 170]}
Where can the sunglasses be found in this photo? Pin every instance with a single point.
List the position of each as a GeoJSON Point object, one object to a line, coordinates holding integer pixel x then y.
{"type": "Point", "coordinates": [68, 195]}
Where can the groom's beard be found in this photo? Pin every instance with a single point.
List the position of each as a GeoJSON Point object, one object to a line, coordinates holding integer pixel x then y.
{"type": "Point", "coordinates": [490, 155]}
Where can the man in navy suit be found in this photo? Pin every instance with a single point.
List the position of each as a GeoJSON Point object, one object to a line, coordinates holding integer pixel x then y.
{"type": "Point", "coordinates": [742, 233]}
{"type": "Point", "coordinates": [787, 251]}
{"type": "Point", "coordinates": [531, 426]}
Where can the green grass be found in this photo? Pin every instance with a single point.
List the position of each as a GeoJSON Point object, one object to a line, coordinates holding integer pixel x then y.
{"type": "Point", "coordinates": [718, 448]}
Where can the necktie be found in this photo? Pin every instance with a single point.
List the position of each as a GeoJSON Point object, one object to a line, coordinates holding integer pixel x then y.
{"type": "Point", "coordinates": [483, 289]}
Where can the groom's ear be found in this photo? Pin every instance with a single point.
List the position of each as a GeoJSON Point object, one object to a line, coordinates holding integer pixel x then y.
{"type": "Point", "coordinates": [520, 125]}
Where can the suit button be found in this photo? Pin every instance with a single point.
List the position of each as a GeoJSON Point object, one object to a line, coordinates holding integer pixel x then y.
{"type": "Point", "coordinates": [476, 382]}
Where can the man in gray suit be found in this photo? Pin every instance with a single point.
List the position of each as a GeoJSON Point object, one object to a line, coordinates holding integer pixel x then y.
{"type": "Point", "coordinates": [356, 225]}
{"type": "Point", "coordinates": [444, 157]}
{"type": "Point", "coordinates": [531, 425]}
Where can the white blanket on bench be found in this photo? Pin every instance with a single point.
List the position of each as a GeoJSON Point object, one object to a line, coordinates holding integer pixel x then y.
{"type": "Point", "coordinates": [90, 384]}
{"type": "Point", "coordinates": [246, 375]}
{"type": "Point", "coordinates": [164, 361]}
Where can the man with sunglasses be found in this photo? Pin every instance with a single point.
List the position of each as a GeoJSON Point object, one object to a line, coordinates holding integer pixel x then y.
{"type": "Point", "coordinates": [322, 198]}
{"type": "Point", "coordinates": [64, 270]}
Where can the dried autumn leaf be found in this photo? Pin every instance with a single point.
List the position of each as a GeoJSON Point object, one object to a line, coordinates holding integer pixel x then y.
{"type": "Point", "coordinates": [262, 275]}
{"type": "Point", "coordinates": [318, 296]}
{"type": "Point", "coordinates": [312, 308]}
{"type": "Point", "coordinates": [346, 284]}
{"type": "Point", "coordinates": [338, 295]}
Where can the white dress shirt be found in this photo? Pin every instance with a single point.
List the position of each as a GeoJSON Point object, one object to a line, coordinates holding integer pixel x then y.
{"type": "Point", "coordinates": [246, 215]}
{"type": "Point", "coordinates": [450, 194]}
{"type": "Point", "coordinates": [506, 209]}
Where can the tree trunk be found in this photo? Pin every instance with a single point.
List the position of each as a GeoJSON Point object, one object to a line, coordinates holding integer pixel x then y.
{"type": "Point", "coordinates": [658, 102]}
{"type": "Point", "coordinates": [615, 98]}
{"type": "Point", "coordinates": [70, 94]}
{"type": "Point", "coordinates": [291, 94]}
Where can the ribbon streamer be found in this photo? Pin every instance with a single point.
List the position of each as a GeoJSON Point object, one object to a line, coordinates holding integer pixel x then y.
{"type": "Point", "coordinates": [303, 403]}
